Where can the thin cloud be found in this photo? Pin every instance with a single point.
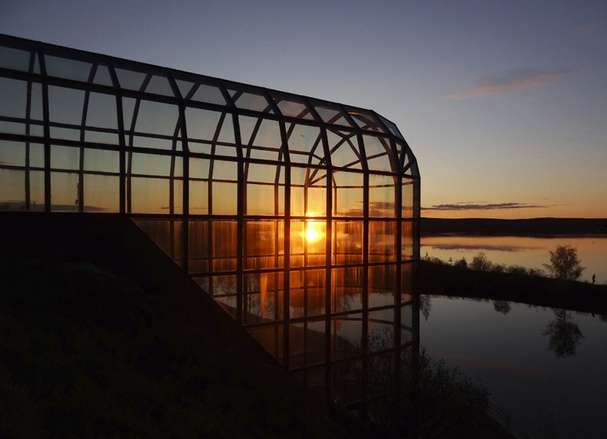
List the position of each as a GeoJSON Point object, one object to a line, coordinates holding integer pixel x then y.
{"type": "Point", "coordinates": [511, 81]}
{"type": "Point", "coordinates": [484, 206]}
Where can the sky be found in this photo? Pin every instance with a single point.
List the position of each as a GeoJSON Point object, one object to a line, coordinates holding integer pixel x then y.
{"type": "Point", "coordinates": [504, 103]}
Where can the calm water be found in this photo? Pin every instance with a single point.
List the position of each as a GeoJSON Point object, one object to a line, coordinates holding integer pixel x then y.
{"type": "Point", "coordinates": [545, 369]}
{"type": "Point", "coordinates": [529, 252]}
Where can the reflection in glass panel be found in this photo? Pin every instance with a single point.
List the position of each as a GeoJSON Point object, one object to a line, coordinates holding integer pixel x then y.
{"type": "Point", "coordinates": [381, 330]}
{"type": "Point", "coordinates": [264, 297]}
{"type": "Point", "coordinates": [382, 285]}
{"type": "Point", "coordinates": [346, 289]}
{"type": "Point", "coordinates": [348, 194]}
{"type": "Point", "coordinates": [307, 243]}
{"type": "Point", "coordinates": [264, 244]}
{"type": "Point", "coordinates": [198, 246]}
{"type": "Point", "coordinates": [308, 192]}
{"type": "Point", "coordinates": [307, 293]}
{"type": "Point", "coordinates": [408, 239]}
{"type": "Point", "coordinates": [347, 242]}
{"type": "Point", "coordinates": [224, 241]}
{"type": "Point", "coordinates": [346, 332]}
{"type": "Point", "coordinates": [101, 193]}
{"type": "Point", "coordinates": [383, 242]}
{"type": "Point", "coordinates": [382, 195]}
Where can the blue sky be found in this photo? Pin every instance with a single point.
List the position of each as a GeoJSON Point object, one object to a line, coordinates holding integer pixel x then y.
{"type": "Point", "coordinates": [503, 102]}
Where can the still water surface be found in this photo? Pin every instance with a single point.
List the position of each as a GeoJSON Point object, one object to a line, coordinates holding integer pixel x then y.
{"type": "Point", "coordinates": [546, 369]}
{"type": "Point", "coordinates": [530, 252]}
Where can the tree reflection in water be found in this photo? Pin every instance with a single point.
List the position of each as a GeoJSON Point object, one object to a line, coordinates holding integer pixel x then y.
{"type": "Point", "coordinates": [565, 335]}
{"type": "Point", "coordinates": [425, 305]}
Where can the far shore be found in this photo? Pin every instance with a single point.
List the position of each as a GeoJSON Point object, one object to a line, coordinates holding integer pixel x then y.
{"type": "Point", "coordinates": [514, 227]}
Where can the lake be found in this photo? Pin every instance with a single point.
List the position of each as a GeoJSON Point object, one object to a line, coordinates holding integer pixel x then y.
{"type": "Point", "coordinates": [530, 252]}
{"type": "Point", "coordinates": [545, 369]}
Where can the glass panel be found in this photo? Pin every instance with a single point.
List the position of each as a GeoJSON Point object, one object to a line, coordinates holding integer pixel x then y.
{"type": "Point", "coordinates": [65, 105]}
{"type": "Point", "coordinates": [198, 237]}
{"type": "Point", "coordinates": [375, 146]}
{"type": "Point", "coordinates": [224, 198]}
{"type": "Point", "coordinates": [392, 127]}
{"type": "Point", "coordinates": [199, 197]}
{"type": "Point", "coordinates": [202, 124]}
{"type": "Point", "coordinates": [13, 97]}
{"type": "Point", "coordinates": [292, 108]}
{"type": "Point", "coordinates": [344, 149]}
{"type": "Point", "coordinates": [348, 194]}
{"type": "Point", "coordinates": [36, 190]}
{"type": "Point", "coordinates": [347, 288]}
{"type": "Point", "coordinates": [307, 293]}
{"type": "Point", "coordinates": [130, 79]}
{"type": "Point", "coordinates": [210, 94]}
{"type": "Point", "coordinates": [407, 198]}
{"type": "Point", "coordinates": [264, 298]}
{"type": "Point", "coordinates": [65, 157]}
{"type": "Point", "coordinates": [101, 160]}
{"type": "Point", "coordinates": [407, 239]}
{"type": "Point", "coordinates": [36, 103]}
{"type": "Point", "coordinates": [264, 243]}
{"type": "Point", "coordinates": [224, 235]}
{"type": "Point", "coordinates": [308, 192]}
{"type": "Point", "coordinates": [184, 87]}
{"type": "Point", "coordinates": [250, 101]}
{"type": "Point", "coordinates": [102, 76]}
{"type": "Point", "coordinates": [160, 86]}
{"type": "Point", "coordinates": [365, 120]}
{"type": "Point", "coordinates": [382, 239]}
{"type": "Point", "coordinates": [152, 164]}
{"type": "Point", "coordinates": [101, 111]}
{"type": "Point", "coordinates": [382, 196]}
{"type": "Point", "coordinates": [12, 153]}
{"type": "Point", "coordinates": [64, 192]}
{"type": "Point", "coordinates": [382, 285]}
{"type": "Point", "coordinates": [157, 118]}
{"type": "Point", "coordinates": [308, 243]}
{"type": "Point", "coordinates": [12, 189]}
{"type": "Point", "coordinates": [101, 193]}
{"type": "Point", "coordinates": [67, 68]}
{"type": "Point", "coordinates": [150, 195]}
{"type": "Point", "coordinates": [347, 242]}
{"type": "Point", "coordinates": [15, 59]}
{"type": "Point", "coordinates": [36, 155]}
{"type": "Point", "coordinates": [305, 144]}
{"type": "Point", "coordinates": [265, 196]}
{"type": "Point", "coordinates": [331, 115]}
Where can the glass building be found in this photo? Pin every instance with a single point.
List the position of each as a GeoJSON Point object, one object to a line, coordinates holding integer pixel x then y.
{"type": "Point", "coordinates": [297, 215]}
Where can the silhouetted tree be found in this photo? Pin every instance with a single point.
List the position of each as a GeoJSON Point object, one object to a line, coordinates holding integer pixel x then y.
{"type": "Point", "coordinates": [462, 263]}
{"type": "Point", "coordinates": [564, 263]}
{"type": "Point", "coordinates": [502, 306]}
{"type": "Point", "coordinates": [565, 335]}
{"type": "Point", "coordinates": [481, 263]}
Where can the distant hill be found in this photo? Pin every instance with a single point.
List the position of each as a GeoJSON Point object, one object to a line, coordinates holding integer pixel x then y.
{"type": "Point", "coordinates": [520, 227]}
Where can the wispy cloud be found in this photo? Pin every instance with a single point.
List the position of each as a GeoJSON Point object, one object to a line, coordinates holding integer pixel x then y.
{"type": "Point", "coordinates": [507, 82]}
{"type": "Point", "coordinates": [484, 206]}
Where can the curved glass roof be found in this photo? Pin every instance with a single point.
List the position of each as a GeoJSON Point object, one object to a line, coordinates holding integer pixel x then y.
{"type": "Point", "coordinates": [222, 118]}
